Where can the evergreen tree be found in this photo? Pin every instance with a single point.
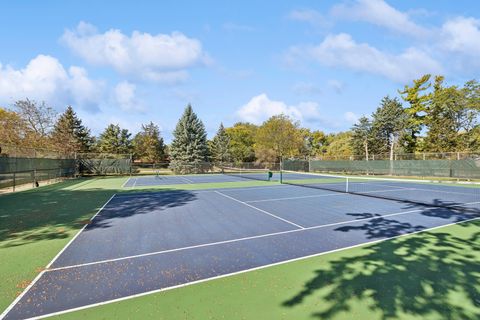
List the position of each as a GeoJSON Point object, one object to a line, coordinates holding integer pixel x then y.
{"type": "Point", "coordinates": [70, 135]}
{"type": "Point", "coordinates": [115, 140]}
{"type": "Point", "coordinates": [221, 146]}
{"type": "Point", "coordinates": [416, 111]}
{"type": "Point", "coordinates": [189, 149]}
{"type": "Point", "coordinates": [148, 144]}
{"type": "Point", "coordinates": [362, 137]}
{"type": "Point", "coordinates": [388, 125]}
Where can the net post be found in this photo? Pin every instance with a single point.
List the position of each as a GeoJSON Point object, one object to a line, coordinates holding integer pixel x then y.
{"type": "Point", "coordinates": [346, 184]}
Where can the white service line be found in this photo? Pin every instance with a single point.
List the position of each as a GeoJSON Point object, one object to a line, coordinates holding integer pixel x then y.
{"type": "Point", "coordinates": [10, 307]}
{"type": "Point", "coordinates": [245, 271]}
{"type": "Point", "coordinates": [411, 188]}
{"type": "Point", "coordinates": [186, 179]}
{"type": "Point", "coordinates": [260, 210]}
{"type": "Point", "coordinates": [379, 216]}
{"type": "Point", "coordinates": [299, 197]}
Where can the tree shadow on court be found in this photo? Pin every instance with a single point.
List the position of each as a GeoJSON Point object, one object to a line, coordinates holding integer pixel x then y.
{"type": "Point", "coordinates": [54, 212]}
{"type": "Point", "coordinates": [431, 274]}
{"type": "Point", "coordinates": [381, 227]}
{"type": "Point", "coordinates": [127, 206]}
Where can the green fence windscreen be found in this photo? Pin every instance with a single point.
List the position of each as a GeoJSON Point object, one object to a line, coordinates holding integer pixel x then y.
{"type": "Point", "coordinates": [104, 166]}
{"type": "Point", "coordinates": [462, 169]}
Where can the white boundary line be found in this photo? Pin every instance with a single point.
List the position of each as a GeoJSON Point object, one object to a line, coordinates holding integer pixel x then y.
{"type": "Point", "coordinates": [260, 210]}
{"type": "Point", "coordinates": [10, 307]}
{"type": "Point", "coordinates": [123, 185]}
{"type": "Point", "coordinates": [419, 189]}
{"type": "Point", "coordinates": [299, 197]}
{"type": "Point", "coordinates": [339, 193]}
{"type": "Point", "coordinates": [377, 216]}
{"type": "Point", "coordinates": [245, 271]}
{"type": "Point", "coordinates": [141, 192]}
{"type": "Point", "coordinates": [232, 240]}
{"type": "Point", "coordinates": [186, 179]}
{"type": "Point", "coordinates": [135, 183]}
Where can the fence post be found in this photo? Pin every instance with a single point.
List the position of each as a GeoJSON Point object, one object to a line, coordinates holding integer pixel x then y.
{"type": "Point", "coordinates": [14, 180]}
{"type": "Point", "coordinates": [34, 168]}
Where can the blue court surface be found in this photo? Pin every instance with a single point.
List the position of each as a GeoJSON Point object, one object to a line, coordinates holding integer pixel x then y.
{"type": "Point", "coordinates": [162, 180]}
{"type": "Point", "coordinates": [146, 242]}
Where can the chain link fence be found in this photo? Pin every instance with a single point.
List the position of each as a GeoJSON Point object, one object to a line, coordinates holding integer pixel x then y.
{"type": "Point", "coordinates": [23, 168]}
{"type": "Point", "coordinates": [404, 156]}
{"type": "Point", "coordinates": [451, 165]}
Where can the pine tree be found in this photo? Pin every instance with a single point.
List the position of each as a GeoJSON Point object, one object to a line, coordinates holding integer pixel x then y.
{"type": "Point", "coordinates": [445, 118]}
{"type": "Point", "coordinates": [148, 144]}
{"type": "Point", "coordinates": [388, 125]}
{"type": "Point", "coordinates": [115, 140]}
{"type": "Point", "coordinates": [70, 135]}
{"type": "Point", "coordinates": [416, 111]}
{"type": "Point", "coordinates": [221, 146]}
{"type": "Point", "coordinates": [362, 137]}
{"type": "Point", "coordinates": [189, 150]}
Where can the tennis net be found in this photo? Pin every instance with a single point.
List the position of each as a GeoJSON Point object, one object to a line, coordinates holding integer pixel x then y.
{"type": "Point", "coordinates": [420, 192]}
{"type": "Point", "coordinates": [250, 173]}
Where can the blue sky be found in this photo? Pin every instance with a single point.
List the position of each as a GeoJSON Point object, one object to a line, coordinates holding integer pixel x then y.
{"type": "Point", "coordinates": [324, 63]}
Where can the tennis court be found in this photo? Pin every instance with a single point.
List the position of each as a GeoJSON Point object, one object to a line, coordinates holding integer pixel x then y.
{"type": "Point", "coordinates": [231, 176]}
{"type": "Point", "coordinates": [140, 243]}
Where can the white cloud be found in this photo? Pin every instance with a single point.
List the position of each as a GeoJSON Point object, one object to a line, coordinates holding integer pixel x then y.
{"type": "Point", "coordinates": [350, 117]}
{"type": "Point", "coordinates": [461, 35]}
{"type": "Point", "coordinates": [125, 96]}
{"type": "Point", "coordinates": [260, 108]}
{"type": "Point", "coordinates": [304, 88]}
{"type": "Point", "coordinates": [336, 85]}
{"type": "Point", "coordinates": [161, 57]}
{"type": "Point", "coordinates": [380, 13]}
{"type": "Point", "coordinates": [342, 51]}
{"type": "Point", "coordinates": [45, 78]}
{"type": "Point", "coordinates": [310, 16]}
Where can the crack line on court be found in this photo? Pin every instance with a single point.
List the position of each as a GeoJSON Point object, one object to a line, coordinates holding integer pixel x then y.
{"type": "Point", "coordinates": [260, 210]}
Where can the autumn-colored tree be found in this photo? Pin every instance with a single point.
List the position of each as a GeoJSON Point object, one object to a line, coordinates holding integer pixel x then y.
{"type": "Point", "coordinates": [148, 144]}
{"type": "Point", "coordinates": [38, 119]}
{"type": "Point", "coordinates": [278, 137]}
{"type": "Point", "coordinates": [12, 127]}
{"type": "Point", "coordinates": [242, 140]}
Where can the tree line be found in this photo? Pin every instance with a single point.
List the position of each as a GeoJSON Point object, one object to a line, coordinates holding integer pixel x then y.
{"type": "Point", "coordinates": [435, 118]}
{"type": "Point", "coordinates": [35, 125]}
{"type": "Point", "coordinates": [430, 117]}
